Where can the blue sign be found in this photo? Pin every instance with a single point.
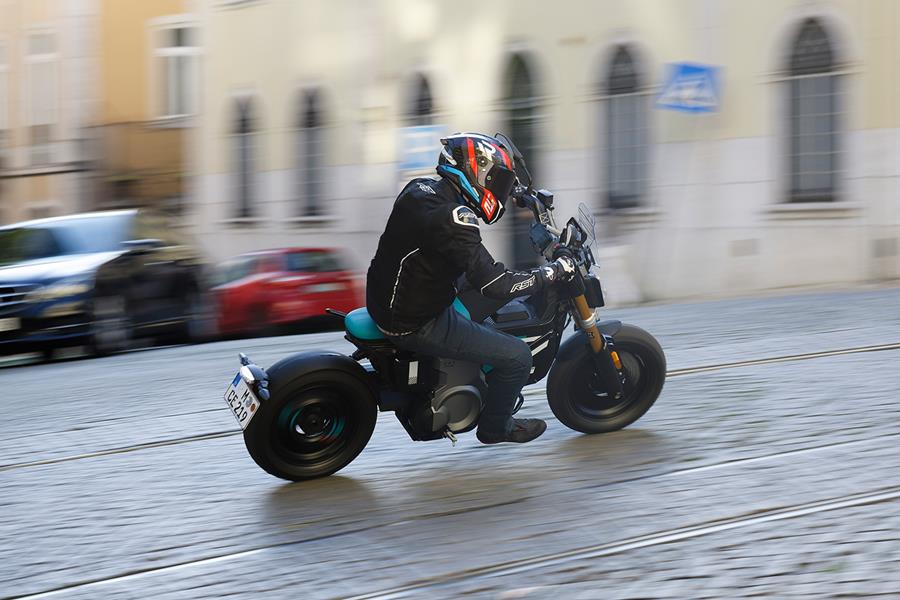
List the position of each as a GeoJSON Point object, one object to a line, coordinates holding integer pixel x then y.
{"type": "Point", "coordinates": [690, 88]}
{"type": "Point", "coordinates": [420, 146]}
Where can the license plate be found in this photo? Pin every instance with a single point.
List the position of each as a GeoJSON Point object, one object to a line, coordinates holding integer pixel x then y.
{"type": "Point", "coordinates": [243, 402]}
{"type": "Point", "coordinates": [10, 324]}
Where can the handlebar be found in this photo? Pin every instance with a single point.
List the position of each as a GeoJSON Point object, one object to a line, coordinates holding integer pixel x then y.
{"type": "Point", "coordinates": [540, 203]}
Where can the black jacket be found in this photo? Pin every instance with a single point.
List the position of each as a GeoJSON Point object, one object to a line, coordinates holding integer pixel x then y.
{"type": "Point", "coordinates": [430, 240]}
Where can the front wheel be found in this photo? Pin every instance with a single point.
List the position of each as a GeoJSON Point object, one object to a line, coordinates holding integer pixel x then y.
{"type": "Point", "coordinates": [313, 424]}
{"type": "Point", "coordinates": [578, 398]}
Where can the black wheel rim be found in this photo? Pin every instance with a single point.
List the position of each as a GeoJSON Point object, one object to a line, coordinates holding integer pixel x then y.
{"type": "Point", "coordinates": [314, 427]}
{"type": "Point", "coordinates": [591, 399]}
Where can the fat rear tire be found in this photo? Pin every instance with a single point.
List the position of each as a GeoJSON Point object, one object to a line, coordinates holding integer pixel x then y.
{"type": "Point", "coordinates": [575, 395]}
{"type": "Point", "coordinates": [313, 424]}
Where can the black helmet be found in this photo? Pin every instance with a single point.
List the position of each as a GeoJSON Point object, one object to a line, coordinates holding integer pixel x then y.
{"type": "Point", "coordinates": [482, 167]}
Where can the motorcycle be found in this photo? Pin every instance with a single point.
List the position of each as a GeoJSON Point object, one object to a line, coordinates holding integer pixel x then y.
{"type": "Point", "coordinates": [310, 414]}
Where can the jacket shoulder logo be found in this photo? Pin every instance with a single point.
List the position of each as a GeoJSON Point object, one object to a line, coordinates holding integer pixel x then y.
{"type": "Point", "coordinates": [463, 215]}
{"type": "Point", "coordinates": [427, 188]}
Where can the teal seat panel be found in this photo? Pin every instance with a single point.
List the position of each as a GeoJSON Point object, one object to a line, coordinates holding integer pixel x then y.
{"type": "Point", "coordinates": [461, 308]}
{"type": "Point", "coordinates": [361, 326]}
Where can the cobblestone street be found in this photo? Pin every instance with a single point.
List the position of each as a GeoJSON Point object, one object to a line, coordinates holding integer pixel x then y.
{"type": "Point", "coordinates": [126, 477]}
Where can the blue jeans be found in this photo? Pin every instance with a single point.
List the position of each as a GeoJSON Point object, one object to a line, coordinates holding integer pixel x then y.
{"type": "Point", "coordinates": [450, 335]}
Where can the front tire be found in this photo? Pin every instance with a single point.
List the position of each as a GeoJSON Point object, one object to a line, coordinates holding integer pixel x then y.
{"type": "Point", "coordinates": [313, 424]}
{"type": "Point", "coordinates": [578, 399]}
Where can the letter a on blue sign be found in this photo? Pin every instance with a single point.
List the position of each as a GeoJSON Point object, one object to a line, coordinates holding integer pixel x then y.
{"type": "Point", "coordinates": [690, 88]}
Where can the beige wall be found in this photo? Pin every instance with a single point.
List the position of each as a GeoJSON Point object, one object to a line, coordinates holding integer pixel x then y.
{"type": "Point", "coordinates": [714, 216]}
{"type": "Point", "coordinates": [28, 190]}
{"type": "Point", "coordinates": [364, 53]}
{"type": "Point", "coordinates": [141, 160]}
{"type": "Point", "coordinates": [124, 51]}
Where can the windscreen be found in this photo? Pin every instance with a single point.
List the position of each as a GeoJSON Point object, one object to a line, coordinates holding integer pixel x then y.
{"type": "Point", "coordinates": [27, 243]}
{"type": "Point", "coordinates": [233, 270]}
{"type": "Point", "coordinates": [587, 222]}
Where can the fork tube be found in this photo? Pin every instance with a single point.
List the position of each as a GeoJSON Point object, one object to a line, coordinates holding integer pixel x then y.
{"type": "Point", "coordinates": [588, 323]}
{"type": "Point", "coordinates": [607, 363]}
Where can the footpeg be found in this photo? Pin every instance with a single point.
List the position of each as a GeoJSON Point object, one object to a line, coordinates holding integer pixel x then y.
{"type": "Point", "coordinates": [449, 435]}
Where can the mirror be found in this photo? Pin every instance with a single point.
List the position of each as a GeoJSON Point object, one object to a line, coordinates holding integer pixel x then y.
{"type": "Point", "coordinates": [522, 172]}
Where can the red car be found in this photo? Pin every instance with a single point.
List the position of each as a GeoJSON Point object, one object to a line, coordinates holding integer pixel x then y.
{"type": "Point", "coordinates": [259, 291]}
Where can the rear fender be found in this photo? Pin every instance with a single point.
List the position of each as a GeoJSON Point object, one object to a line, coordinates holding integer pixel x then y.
{"type": "Point", "coordinates": [296, 365]}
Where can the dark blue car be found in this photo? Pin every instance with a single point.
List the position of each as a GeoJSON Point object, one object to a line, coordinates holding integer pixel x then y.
{"type": "Point", "coordinates": [101, 280]}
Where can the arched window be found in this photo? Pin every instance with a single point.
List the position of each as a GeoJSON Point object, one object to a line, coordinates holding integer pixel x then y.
{"type": "Point", "coordinates": [521, 125]}
{"type": "Point", "coordinates": [244, 164]}
{"type": "Point", "coordinates": [421, 106]}
{"type": "Point", "coordinates": [814, 111]}
{"type": "Point", "coordinates": [626, 133]}
{"type": "Point", "coordinates": [310, 156]}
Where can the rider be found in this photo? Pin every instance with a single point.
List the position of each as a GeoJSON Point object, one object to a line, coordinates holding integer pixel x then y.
{"type": "Point", "coordinates": [431, 239]}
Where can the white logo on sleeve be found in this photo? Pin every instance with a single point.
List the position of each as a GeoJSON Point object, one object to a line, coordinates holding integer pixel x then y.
{"type": "Point", "coordinates": [427, 188]}
{"type": "Point", "coordinates": [523, 285]}
{"type": "Point", "coordinates": [463, 215]}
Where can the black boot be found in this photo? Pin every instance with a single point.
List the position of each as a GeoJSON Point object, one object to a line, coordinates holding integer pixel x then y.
{"type": "Point", "coordinates": [523, 430]}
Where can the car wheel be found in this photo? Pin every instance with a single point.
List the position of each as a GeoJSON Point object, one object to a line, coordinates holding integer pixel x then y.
{"type": "Point", "coordinates": [111, 327]}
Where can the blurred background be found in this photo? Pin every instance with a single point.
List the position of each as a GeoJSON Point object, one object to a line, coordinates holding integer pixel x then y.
{"type": "Point", "coordinates": [727, 147]}
{"type": "Point", "coordinates": [180, 171]}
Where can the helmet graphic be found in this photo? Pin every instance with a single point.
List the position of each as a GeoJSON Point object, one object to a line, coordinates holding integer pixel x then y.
{"type": "Point", "coordinates": [482, 168]}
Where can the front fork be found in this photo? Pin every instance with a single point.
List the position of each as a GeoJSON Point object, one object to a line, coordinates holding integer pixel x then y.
{"type": "Point", "coordinates": [604, 355]}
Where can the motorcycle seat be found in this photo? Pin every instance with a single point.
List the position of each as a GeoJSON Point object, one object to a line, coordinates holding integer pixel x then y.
{"type": "Point", "coordinates": [360, 325]}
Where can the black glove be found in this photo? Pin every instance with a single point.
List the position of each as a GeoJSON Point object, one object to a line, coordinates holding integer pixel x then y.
{"type": "Point", "coordinates": [561, 269]}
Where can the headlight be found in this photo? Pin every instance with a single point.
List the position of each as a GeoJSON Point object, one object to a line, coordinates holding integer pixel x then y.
{"type": "Point", "coordinates": [64, 288]}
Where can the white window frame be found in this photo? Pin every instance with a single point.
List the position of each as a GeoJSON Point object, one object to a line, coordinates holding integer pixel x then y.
{"type": "Point", "coordinates": [30, 61]}
{"type": "Point", "coordinates": [157, 29]}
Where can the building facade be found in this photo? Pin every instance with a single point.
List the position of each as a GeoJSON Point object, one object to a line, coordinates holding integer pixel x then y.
{"type": "Point", "coordinates": [48, 82]}
{"type": "Point", "coordinates": [309, 108]}
{"type": "Point", "coordinates": [149, 58]}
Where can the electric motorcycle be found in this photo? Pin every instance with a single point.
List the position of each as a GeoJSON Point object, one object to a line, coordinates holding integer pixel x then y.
{"type": "Point", "coordinates": [312, 413]}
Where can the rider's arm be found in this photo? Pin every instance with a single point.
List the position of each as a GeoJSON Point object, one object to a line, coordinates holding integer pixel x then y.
{"type": "Point", "coordinates": [465, 250]}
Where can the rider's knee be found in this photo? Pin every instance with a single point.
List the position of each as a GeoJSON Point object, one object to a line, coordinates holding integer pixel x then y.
{"type": "Point", "coordinates": [521, 357]}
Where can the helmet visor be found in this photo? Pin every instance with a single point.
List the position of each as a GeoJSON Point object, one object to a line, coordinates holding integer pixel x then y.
{"type": "Point", "coordinates": [500, 182]}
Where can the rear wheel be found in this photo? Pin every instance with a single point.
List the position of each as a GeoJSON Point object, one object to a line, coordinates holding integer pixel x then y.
{"type": "Point", "coordinates": [579, 399]}
{"type": "Point", "coordinates": [313, 424]}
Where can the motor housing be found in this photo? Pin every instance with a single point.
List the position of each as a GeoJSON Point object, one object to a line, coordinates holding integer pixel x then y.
{"type": "Point", "coordinates": [456, 398]}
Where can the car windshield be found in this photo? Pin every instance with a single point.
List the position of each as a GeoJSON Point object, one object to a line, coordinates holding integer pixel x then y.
{"type": "Point", "coordinates": [80, 235]}
{"type": "Point", "coordinates": [232, 270]}
{"type": "Point", "coordinates": [313, 261]}
{"type": "Point", "coordinates": [27, 243]}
